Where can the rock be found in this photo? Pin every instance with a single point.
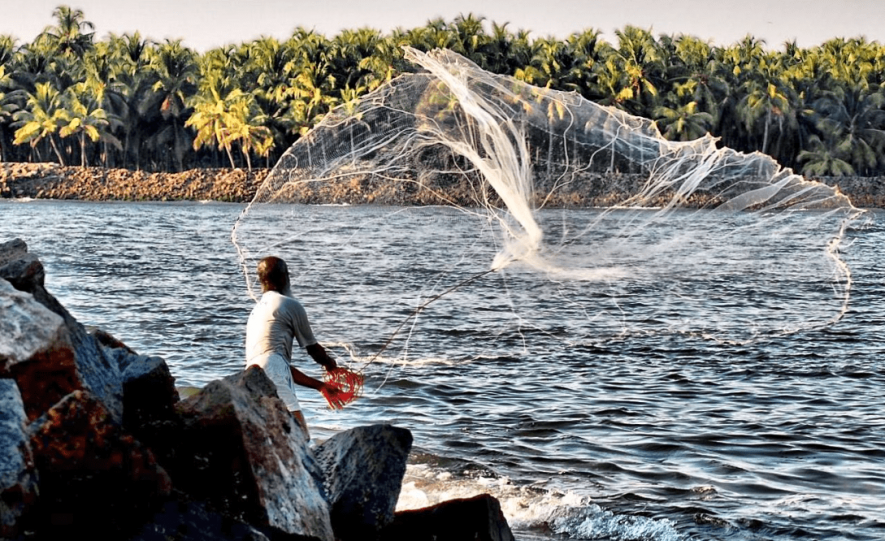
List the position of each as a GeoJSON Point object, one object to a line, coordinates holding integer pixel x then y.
{"type": "Point", "coordinates": [94, 478]}
{"type": "Point", "coordinates": [25, 273]}
{"type": "Point", "coordinates": [240, 449]}
{"type": "Point", "coordinates": [478, 518]}
{"type": "Point", "coordinates": [149, 392]}
{"type": "Point", "coordinates": [108, 341]}
{"type": "Point", "coordinates": [364, 469]}
{"type": "Point", "coordinates": [182, 520]}
{"type": "Point", "coordinates": [12, 250]}
{"type": "Point", "coordinates": [25, 328]}
{"type": "Point", "coordinates": [18, 482]}
{"type": "Point", "coordinates": [73, 361]}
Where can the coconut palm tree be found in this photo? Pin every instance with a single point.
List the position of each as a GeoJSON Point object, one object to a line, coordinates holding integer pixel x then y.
{"type": "Point", "coordinates": [854, 121]}
{"type": "Point", "coordinates": [84, 118]}
{"type": "Point", "coordinates": [41, 119]}
{"type": "Point", "coordinates": [174, 71]}
{"type": "Point", "coordinates": [684, 122]}
{"type": "Point", "coordinates": [824, 159]}
{"type": "Point", "coordinates": [68, 36]}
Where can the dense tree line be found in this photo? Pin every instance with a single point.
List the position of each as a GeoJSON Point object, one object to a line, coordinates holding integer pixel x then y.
{"type": "Point", "coordinates": [128, 101]}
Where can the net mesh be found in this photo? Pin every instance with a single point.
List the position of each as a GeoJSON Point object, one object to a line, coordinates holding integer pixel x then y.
{"type": "Point", "coordinates": [690, 229]}
{"type": "Point", "coordinates": [348, 385]}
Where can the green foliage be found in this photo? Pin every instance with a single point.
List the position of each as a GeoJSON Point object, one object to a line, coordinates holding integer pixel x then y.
{"type": "Point", "coordinates": [127, 101]}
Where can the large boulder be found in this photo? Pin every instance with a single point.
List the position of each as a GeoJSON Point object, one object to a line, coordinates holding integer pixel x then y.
{"type": "Point", "coordinates": [73, 361]}
{"type": "Point", "coordinates": [18, 483]}
{"type": "Point", "coordinates": [363, 469]}
{"type": "Point", "coordinates": [25, 328]}
{"type": "Point", "coordinates": [478, 519]}
{"type": "Point", "coordinates": [149, 392]}
{"type": "Point", "coordinates": [240, 449]}
{"type": "Point", "coordinates": [94, 478]}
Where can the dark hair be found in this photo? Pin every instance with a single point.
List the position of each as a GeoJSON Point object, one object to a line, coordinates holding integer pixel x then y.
{"type": "Point", "coordinates": [273, 274]}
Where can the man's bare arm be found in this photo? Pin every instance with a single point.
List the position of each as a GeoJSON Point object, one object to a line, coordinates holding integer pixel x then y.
{"type": "Point", "coordinates": [318, 353]}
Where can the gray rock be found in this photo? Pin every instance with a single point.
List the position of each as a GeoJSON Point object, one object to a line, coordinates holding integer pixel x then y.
{"type": "Point", "coordinates": [12, 250]}
{"type": "Point", "coordinates": [240, 449]}
{"type": "Point", "coordinates": [364, 469]}
{"type": "Point", "coordinates": [478, 518]}
{"type": "Point", "coordinates": [18, 481]}
{"type": "Point", "coordinates": [24, 273]}
{"type": "Point", "coordinates": [75, 361]}
{"type": "Point", "coordinates": [25, 328]}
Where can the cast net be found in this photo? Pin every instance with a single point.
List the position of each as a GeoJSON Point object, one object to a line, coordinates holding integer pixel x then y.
{"type": "Point", "coordinates": [593, 225]}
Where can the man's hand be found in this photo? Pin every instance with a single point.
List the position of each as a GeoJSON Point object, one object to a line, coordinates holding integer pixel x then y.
{"type": "Point", "coordinates": [333, 396]}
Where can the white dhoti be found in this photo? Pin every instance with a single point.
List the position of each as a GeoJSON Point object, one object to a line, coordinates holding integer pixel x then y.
{"type": "Point", "coordinates": [277, 369]}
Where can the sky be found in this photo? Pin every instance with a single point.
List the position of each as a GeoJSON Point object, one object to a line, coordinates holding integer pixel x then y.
{"type": "Point", "coordinates": [203, 24]}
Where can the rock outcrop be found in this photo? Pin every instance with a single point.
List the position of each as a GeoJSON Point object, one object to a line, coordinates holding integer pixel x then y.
{"type": "Point", "coordinates": [90, 470]}
{"type": "Point", "coordinates": [240, 449]}
{"type": "Point", "coordinates": [94, 441]}
{"type": "Point", "coordinates": [364, 469]}
{"type": "Point", "coordinates": [73, 361]}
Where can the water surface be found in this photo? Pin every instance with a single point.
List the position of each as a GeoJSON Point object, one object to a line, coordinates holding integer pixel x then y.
{"type": "Point", "coordinates": [582, 424]}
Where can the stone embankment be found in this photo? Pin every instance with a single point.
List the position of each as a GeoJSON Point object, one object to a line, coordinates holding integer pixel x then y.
{"type": "Point", "coordinates": [96, 443]}
{"type": "Point", "coordinates": [51, 181]}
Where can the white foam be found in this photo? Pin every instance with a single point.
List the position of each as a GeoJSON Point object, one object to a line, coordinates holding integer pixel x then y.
{"type": "Point", "coordinates": [532, 507]}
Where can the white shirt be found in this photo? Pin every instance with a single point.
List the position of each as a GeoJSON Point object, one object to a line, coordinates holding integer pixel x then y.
{"type": "Point", "coordinates": [275, 322]}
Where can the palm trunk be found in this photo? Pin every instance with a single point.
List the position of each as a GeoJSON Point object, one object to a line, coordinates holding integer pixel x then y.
{"type": "Point", "coordinates": [61, 161]}
{"type": "Point", "coordinates": [248, 159]}
{"type": "Point", "coordinates": [765, 133]}
{"type": "Point", "coordinates": [230, 156]}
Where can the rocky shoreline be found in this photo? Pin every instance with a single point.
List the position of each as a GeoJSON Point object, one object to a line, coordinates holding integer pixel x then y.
{"type": "Point", "coordinates": [96, 442]}
{"type": "Point", "coordinates": [51, 181]}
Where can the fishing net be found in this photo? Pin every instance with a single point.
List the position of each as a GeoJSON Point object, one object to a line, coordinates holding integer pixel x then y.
{"type": "Point", "coordinates": [593, 225]}
{"type": "Point", "coordinates": [349, 385]}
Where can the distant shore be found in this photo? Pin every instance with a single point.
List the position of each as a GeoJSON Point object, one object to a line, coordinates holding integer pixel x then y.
{"type": "Point", "coordinates": [51, 181]}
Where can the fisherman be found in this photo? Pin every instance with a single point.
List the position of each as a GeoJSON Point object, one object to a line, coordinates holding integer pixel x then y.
{"type": "Point", "coordinates": [276, 321]}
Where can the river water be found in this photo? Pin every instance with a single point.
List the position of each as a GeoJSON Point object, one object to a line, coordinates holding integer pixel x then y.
{"type": "Point", "coordinates": [584, 426]}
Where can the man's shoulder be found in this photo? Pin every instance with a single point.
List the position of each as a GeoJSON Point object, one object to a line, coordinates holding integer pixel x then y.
{"type": "Point", "coordinates": [280, 301]}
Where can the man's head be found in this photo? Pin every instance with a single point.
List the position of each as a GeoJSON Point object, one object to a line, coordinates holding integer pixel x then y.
{"type": "Point", "coordinates": [273, 274]}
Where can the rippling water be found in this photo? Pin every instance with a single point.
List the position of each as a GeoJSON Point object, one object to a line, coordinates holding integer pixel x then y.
{"type": "Point", "coordinates": [580, 425]}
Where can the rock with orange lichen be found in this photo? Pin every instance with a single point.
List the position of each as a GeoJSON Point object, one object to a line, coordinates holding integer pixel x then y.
{"type": "Point", "coordinates": [90, 470]}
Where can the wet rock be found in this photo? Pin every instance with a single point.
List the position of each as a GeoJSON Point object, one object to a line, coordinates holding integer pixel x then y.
{"type": "Point", "coordinates": [72, 361]}
{"type": "Point", "coordinates": [18, 482]}
{"type": "Point", "coordinates": [94, 478]}
{"type": "Point", "coordinates": [478, 518]}
{"type": "Point", "coordinates": [240, 450]}
{"type": "Point", "coordinates": [364, 469]}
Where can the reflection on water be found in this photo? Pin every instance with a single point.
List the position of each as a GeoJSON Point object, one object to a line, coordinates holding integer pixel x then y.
{"type": "Point", "coordinates": [582, 419]}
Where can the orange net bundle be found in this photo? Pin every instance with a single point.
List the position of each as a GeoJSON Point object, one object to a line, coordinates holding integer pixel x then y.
{"type": "Point", "coordinates": [349, 386]}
